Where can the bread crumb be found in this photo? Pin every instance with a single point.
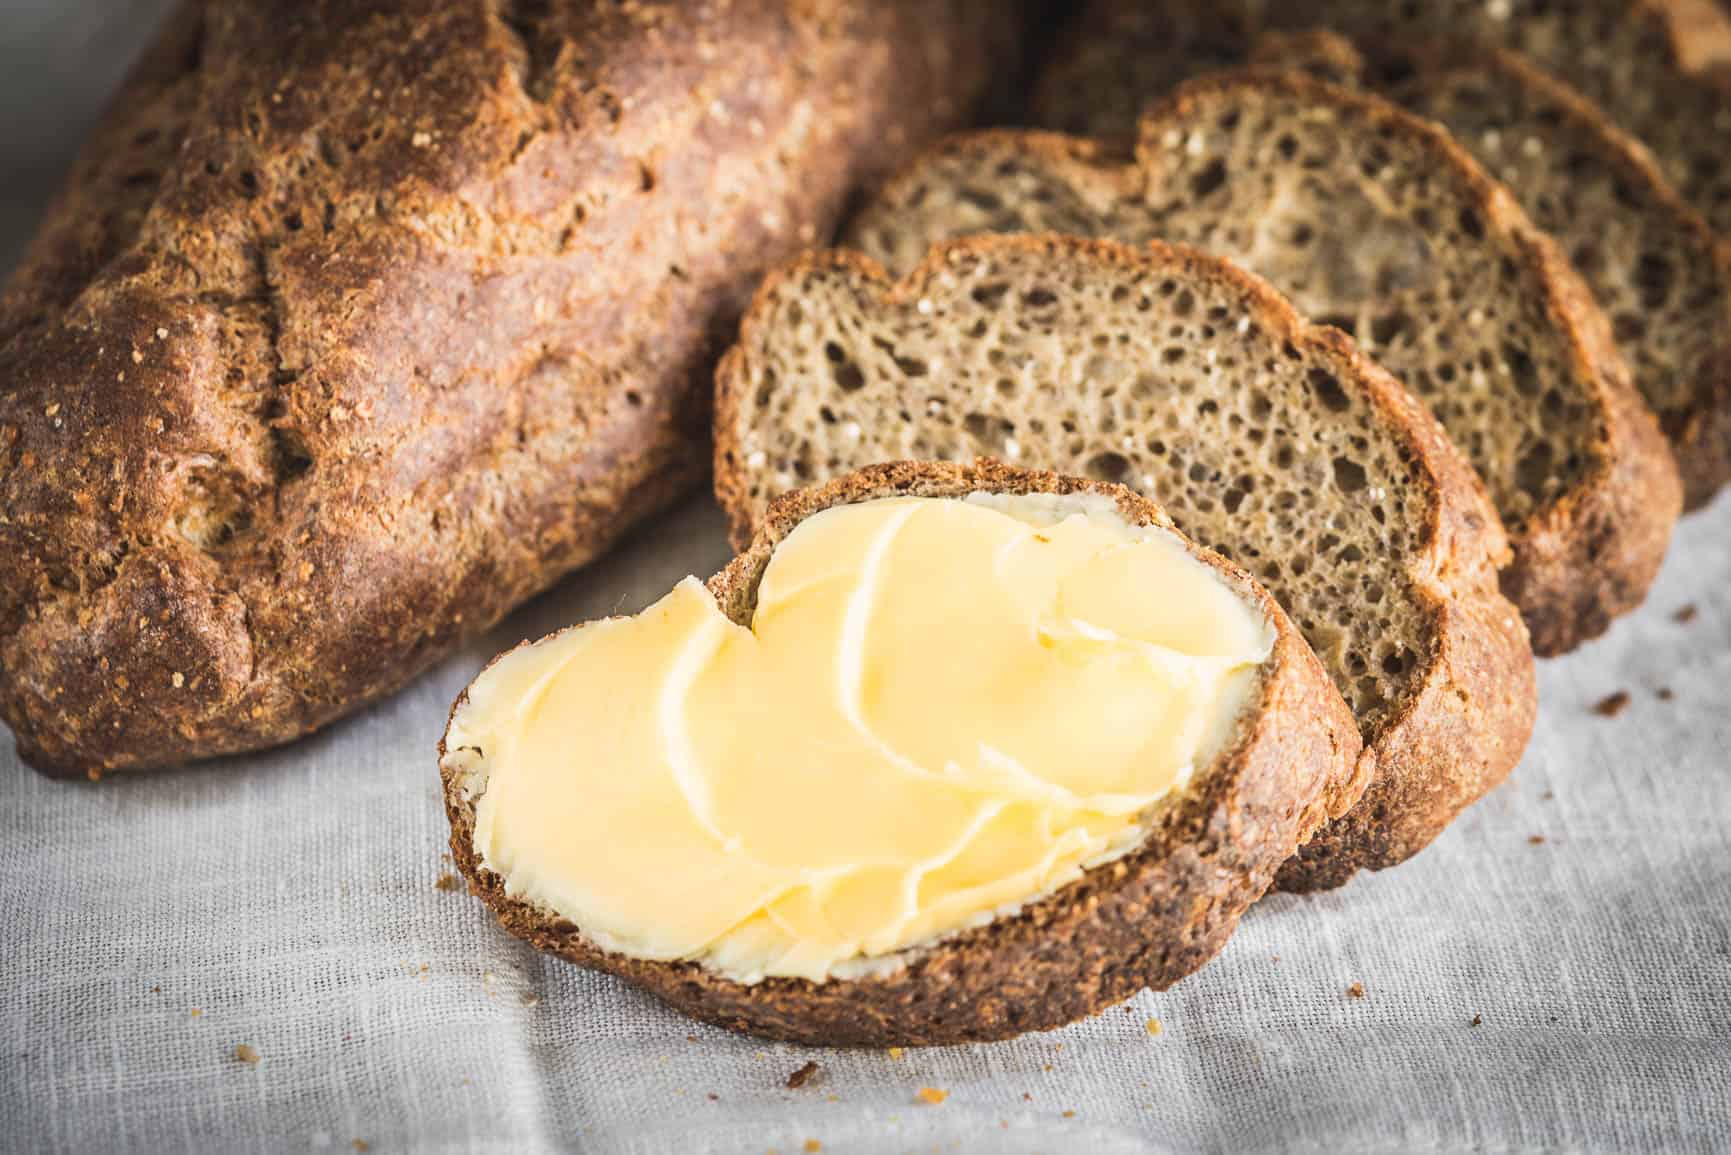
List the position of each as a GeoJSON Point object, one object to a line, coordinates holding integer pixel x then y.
{"type": "Point", "coordinates": [1069, 1114]}
{"type": "Point", "coordinates": [137, 357]}
{"type": "Point", "coordinates": [95, 772]}
{"type": "Point", "coordinates": [1027, 1097]}
{"type": "Point", "coordinates": [932, 1095]}
{"type": "Point", "coordinates": [802, 1076]}
{"type": "Point", "coordinates": [1355, 991]}
{"type": "Point", "coordinates": [713, 1097]}
{"type": "Point", "coordinates": [156, 990]}
{"type": "Point", "coordinates": [1612, 705]}
{"type": "Point", "coordinates": [246, 1055]}
{"type": "Point", "coordinates": [1478, 1019]}
{"type": "Point", "coordinates": [813, 1145]}
{"type": "Point", "coordinates": [1153, 1026]}
{"type": "Point", "coordinates": [1047, 1067]}
{"type": "Point", "coordinates": [195, 1012]}
{"type": "Point", "coordinates": [1536, 840]}
{"type": "Point", "coordinates": [896, 1052]}
{"type": "Point", "coordinates": [178, 678]}
{"type": "Point", "coordinates": [1664, 694]}
{"type": "Point", "coordinates": [1685, 615]}
{"type": "Point", "coordinates": [361, 1145]}
{"type": "Point", "coordinates": [161, 334]}
{"type": "Point", "coordinates": [448, 882]}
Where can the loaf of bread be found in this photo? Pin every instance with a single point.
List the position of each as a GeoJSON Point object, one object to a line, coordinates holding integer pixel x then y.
{"type": "Point", "coordinates": [1268, 439]}
{"type": "Point", "coordinates": [359, 323]}
{"type": "Point", "coordinates": [1657, 269]}
{"type": "Point", "coordinates": [1374, 221]}
{"type": "Point", "coordinates": [1163, 906]}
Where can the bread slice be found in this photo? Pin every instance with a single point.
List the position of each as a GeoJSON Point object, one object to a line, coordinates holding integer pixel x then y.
{"type": "Point", "coordinates": [1658, 68]}
{"type": "Point", "coordinates": [1270, 440]}
{"type": "Point", "coordinates": [1143, 920]}
{"type": "Point", "coordinates": [1654, 265]}
{"type": "Point", "coordinates": [1378, 223]}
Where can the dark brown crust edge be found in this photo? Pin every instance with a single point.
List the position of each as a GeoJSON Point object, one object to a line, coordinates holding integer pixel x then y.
{"type": "Point", "coordinates": [1590, 555]}
{"type": "Point", "coordinates": [1466, 723]}
{"type": "Point", "coordinates": [1146, 920]}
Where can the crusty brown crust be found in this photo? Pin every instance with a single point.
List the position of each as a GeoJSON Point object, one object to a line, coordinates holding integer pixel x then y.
{"type": "Point", "coordinates": [1146, 920]}
{"type": "Point", "coordinates": [1468, 719]}
{"type": "Point", "coordinates": [358, 324]}
{"type": "Point", "coordinates": [1591, 554]}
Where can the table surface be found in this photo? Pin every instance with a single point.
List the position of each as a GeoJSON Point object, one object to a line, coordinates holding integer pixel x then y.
{"type": "Point", "coordinates": [1553, 974]}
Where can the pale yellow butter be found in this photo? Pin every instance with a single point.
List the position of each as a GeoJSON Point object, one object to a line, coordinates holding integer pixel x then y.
{"type": "Point", "coordinates": [942, 709]}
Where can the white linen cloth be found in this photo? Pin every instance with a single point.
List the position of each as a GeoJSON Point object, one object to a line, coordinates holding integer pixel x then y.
{"type": "Point", "coordinates": [1571, 994]}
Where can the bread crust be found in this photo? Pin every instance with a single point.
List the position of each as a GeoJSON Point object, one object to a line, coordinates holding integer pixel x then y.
{"type": "Point", "coordinates": [1466, 723]}
{"type": "Point", "coordinates": [357, 325]}
{"type": "Point", "coordinates": [1146, 920]}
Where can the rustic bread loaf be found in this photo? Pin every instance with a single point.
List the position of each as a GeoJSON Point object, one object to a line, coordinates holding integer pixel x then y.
{"type": "Point", "coordinates": [1378, 223]}
{"type": "Point", "coordinates": [1268, 439]}
{"type": "Point", "coordinates": [1657, 68]}
{"type": "Point", "coordinates": [1143, 920]}
{"type": "Point", "coordinates": [359, 323]}
{"type": "Point", "coordinates": [1653, 264]}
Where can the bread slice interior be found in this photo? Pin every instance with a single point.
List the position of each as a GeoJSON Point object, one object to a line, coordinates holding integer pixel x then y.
{"type": "Point", "coordinates": [1268, 439]}
{"type": "Point", "coordinates": [1371, 220]}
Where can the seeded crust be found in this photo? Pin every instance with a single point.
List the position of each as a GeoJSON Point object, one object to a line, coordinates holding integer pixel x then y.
{"type": "Point", "coordinates": [1659, 69]}
{"type": "Point", "coordinates": [358, 324]}
{"type": "Point", "coordinates": [1445, 699]}
{"type": "Point", "coordinates": [1377, 222]}
{"type": "Point", "coordinates": [1146, 920]}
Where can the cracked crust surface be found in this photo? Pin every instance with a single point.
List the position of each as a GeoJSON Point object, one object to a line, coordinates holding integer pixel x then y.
{"type": "Point", "coordinates": [1455, 717]}
{"type": "Point", "coordinates": [358, 324]}
{"type": "Point", "coordinates": [1145, 920]}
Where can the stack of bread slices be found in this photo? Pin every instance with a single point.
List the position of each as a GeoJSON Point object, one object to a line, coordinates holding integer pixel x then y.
{"type": "Point", "coordinates": [1418, 314]}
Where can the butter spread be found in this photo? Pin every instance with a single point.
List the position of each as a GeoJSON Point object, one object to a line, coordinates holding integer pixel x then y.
{"type": "Point", "coordinates": [942, 710]}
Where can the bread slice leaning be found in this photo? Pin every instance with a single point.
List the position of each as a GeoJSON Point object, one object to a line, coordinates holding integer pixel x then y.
{"type": "Point", "coordinates": [1143, 920]}
{"type": "Point", "coordinates": [1654, 265]}
{"type": "Point", "coordinates": [1270, 440]}
{"type": "Point", "coordinates": [1659, 69]}
{"type": "Point", "coordinates": [1377, 222]}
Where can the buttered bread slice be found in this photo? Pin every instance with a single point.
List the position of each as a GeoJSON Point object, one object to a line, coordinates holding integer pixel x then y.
{"type": "Point", "coordinates": [1268, 439]}
{"type": "Point", "coordinates": [947, 754]}
{"type": "Point", "coordinates": [1375, 221]}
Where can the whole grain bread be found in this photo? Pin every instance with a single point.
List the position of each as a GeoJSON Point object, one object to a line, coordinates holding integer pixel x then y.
{"type": "Point", "coordinates": [1657, 68]}
{"type": "Point", "coordinates": [1377, 222]}
{"type": "Point", "coordinates": [1655, 266]}
{"type": "Point", "coordinates": [1268, 439]}
{"type": "Point", "coordinates": [1144, 920]}
{"type": "Point", "coordinates": [357, 324]}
